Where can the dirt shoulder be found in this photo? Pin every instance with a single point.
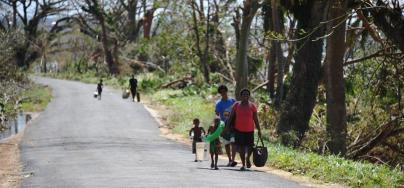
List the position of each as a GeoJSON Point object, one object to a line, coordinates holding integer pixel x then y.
{"type": "Point", "coordinates": [10, 165]}
{"type": "Point", "coordinates": [160, 113]}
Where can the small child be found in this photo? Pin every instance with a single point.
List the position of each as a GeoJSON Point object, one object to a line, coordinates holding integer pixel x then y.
{"type": "Point", "coordinates": [197, 135]}
{"type": "Point", "coordinates": [228, 141]}
{"type": "Point", "coordinates": [99, 89]}
{"type": "Point", "coordinates": [215, 145]}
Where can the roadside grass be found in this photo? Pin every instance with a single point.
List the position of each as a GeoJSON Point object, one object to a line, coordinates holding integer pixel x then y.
{"type": "Point", "coordinates": [183, 109]}
{"type": "Point", "coordinates": [330, 168]}
{"type": "Point", "coordinates": [36, 98]}
{"type": "Point", "coordinates": [325, 168]}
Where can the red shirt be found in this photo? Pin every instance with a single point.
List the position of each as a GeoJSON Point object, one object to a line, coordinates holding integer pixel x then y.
{"type": "Point", "coordinates": [244, 117]}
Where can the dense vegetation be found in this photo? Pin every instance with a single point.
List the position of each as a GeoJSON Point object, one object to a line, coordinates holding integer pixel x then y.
{"type": "Point", "coordinates": [329, 73]}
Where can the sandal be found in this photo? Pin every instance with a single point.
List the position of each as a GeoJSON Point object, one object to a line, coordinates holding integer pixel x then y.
{"type": "Point", "coordinates": [248, 164]}
{"type": "Point", "coordinates": [242, 168]}
{"type": "Point", "coordinates": [233, 164]}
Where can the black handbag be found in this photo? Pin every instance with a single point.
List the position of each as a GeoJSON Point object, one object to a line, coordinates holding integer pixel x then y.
{"type": "Point", "coordinates": [260, 154]}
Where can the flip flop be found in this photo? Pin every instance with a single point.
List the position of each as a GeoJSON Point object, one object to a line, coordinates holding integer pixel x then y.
{"type": "Point", "coordinates": [248, 164]}
{"type": "Point", "coordinates": [233, 164]}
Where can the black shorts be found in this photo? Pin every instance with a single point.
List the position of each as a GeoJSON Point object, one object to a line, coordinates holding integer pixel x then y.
{"type": "Point", "coordinates": [133, 91]}
{"type": "Point", "coordinates": [194, 145]}
{"type": "Point", "coordinates": [244, 138]}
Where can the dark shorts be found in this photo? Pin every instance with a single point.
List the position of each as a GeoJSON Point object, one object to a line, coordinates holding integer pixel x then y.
{"type": "Point", "coordinates": [133, 91]}
{"type": "Point", "coordinates": [194, 145]}
{"type": "Point", "coordinates": [244, 138]}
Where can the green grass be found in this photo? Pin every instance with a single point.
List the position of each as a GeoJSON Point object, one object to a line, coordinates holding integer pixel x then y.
{"type": "Point", "coordinates": [36, 98]}
{"type": "Point", "coordinates": [326, 168]}
{"type": "Point", "coordinates": [185, 109]}
{"type": "Point", "coordinates": [334, 169]}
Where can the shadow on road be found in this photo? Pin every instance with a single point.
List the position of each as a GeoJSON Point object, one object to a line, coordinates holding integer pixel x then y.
{"type": "Point", "coordinates": [231, 169]}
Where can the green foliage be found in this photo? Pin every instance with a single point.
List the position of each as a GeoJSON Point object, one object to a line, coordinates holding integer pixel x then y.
{"type": "Point", "coordinates": [149, 82]}
{"type": "Point", "coordinates": [331, 168]}
{"type": "Point", "coordinates": [184, 109]}
{"type": "Point", "coordinates": [36, 98]}
{"type": "Point", "coordinates": [13, 81]}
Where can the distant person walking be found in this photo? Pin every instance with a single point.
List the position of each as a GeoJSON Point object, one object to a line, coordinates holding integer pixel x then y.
{"type": "Point", "coordinates": [133, 87]}
{"type": "Point", "coordinates": [222, 109]}
{"type": "Point", "coordinates": [100, 85]}
{"type": "Point", "coordinates": [244, 114]}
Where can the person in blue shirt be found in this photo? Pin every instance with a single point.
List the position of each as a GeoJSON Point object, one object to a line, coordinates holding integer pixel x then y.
{"type": "Point", "coordinates": [223, 106]}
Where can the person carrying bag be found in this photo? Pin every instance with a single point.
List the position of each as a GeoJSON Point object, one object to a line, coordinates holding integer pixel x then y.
{"type": "Point", "coordinates": [243, 120]}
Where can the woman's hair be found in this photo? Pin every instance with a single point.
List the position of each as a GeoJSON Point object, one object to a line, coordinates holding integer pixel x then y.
{"type": "Point", "coordinates": [245, 90]}
{"type": "Point", "coordinates": [196, 120]}
{"type": "Point", "coordinates": [222, 87]}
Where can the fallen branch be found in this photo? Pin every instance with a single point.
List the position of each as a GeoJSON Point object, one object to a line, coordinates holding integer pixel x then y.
{"type": "Point", "coordinates": [373, 157]}
{"type": "Point", "coordinates": [394, 147]}
{"type": "Point", "coordinates": [226, 78]}
{"type": "Point", "coordinates": [369, 142]}
{"type": "Point", "coordinates": [184, 79]}
{"type": "Point", "coordinates": [377, 54]}
{"type": "Point", "coordinates": [144, 64]}
{"type": "Point", "coordinates": [259, 86]}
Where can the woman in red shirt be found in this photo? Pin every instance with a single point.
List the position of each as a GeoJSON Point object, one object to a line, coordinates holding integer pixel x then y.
{"type": "Point", "coordinates": [245, 118]}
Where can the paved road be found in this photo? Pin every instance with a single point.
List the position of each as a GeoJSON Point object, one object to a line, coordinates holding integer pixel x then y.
{"type": "Point", "coordinates": [79, 141]}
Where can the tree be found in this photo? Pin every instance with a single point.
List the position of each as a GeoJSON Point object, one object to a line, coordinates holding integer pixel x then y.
{"type": "Point", "coordinates": [389, 20]}
{"type": "Point", "coordinates": [249, 10]}
{"type": "Point", "coordinates": [301, 98]}
{"type": "Point", "coordinates": [31, 14]}
{"type": "Point", "coordinates": [133, 25]}
{"type": "Point", "coordinates": [202, 53]}
{"type": "Point", "coordinates": [335, 87]}
{"type": "Point", "coordinates": [277, 51]}
{"type": "Point", "coordinates": [96, 10]}
{"type": "Point", "coordinates": [270, 56]}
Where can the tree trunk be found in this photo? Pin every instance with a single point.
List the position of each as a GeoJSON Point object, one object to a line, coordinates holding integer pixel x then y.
{"type": "Point", "coordinates": [250, 8]}
{"type": "Point", "coordinates": [147, 23]}
{"type": "Point", "coordinates": [109, 58]}
{"type": "Point", "coordinates": [205, 58]}
{"type": "Point", "coordinates": [133, 27]}
{"type": "Point", "coordinates": [335, 86]}
{"type": "Point", "coordinates": [270, 56]}
{"type": "Point", "coordinates": [279, 59]}
{"type": "Point", "coordinates": [298, 106]}
{"type": "Point", "coordinates": [202, 55]}
{"type": "Point", "coordinates": [20, 56]}
{"type": "Point", "coordinates": [43, 62]}
{"type": "Point", "coordinates": [14, 4]}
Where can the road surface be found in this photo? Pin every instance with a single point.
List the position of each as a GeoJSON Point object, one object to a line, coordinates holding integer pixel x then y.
{"type": "Point", "coordinates": [79, 141]}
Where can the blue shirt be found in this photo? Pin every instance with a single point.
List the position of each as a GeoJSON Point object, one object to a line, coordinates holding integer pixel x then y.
{"type": "Point", "coordinates": [224, 105]}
